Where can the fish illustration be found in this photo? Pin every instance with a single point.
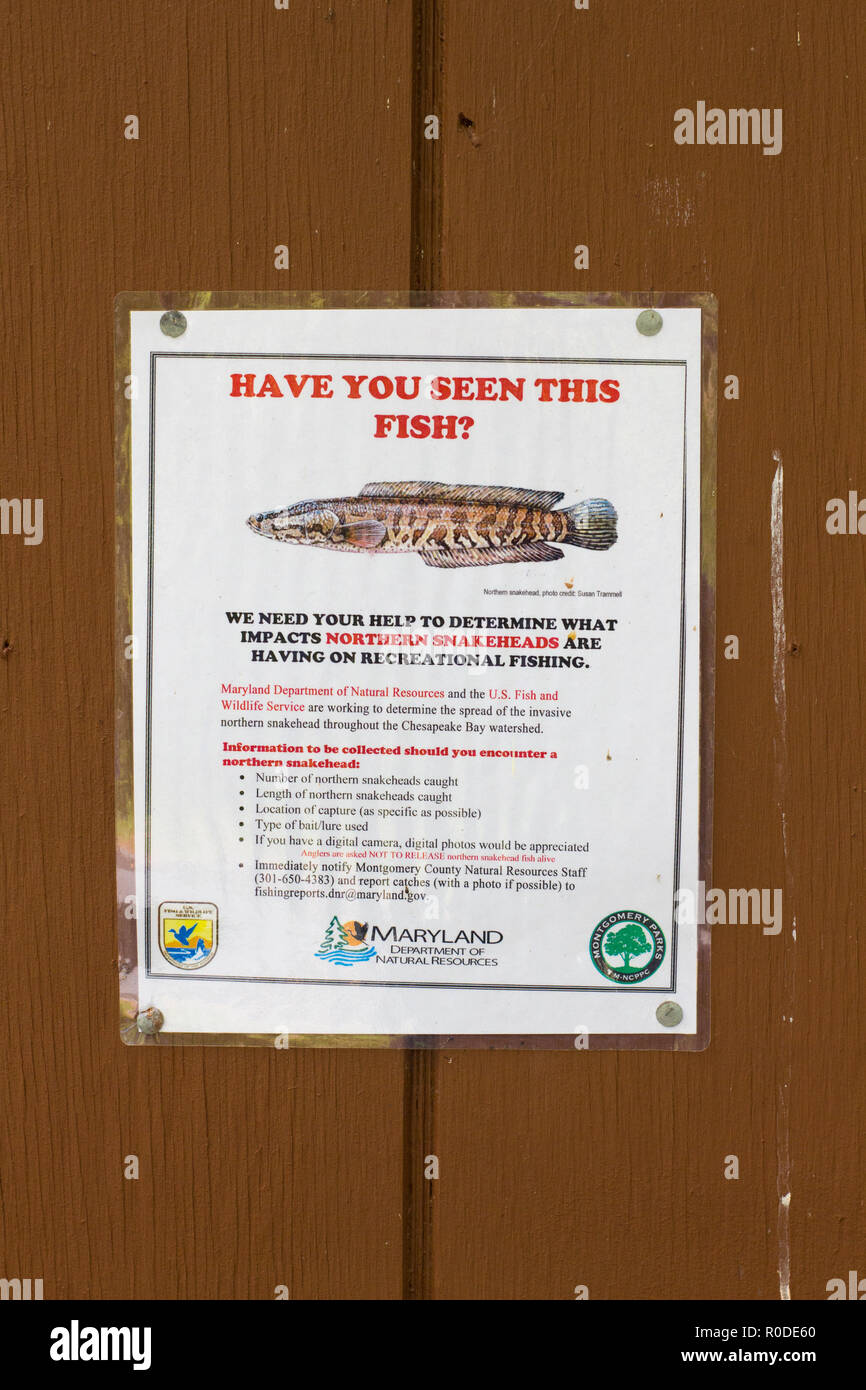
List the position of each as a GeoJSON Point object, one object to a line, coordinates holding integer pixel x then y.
{"type": "Point", "coordinates": [450, 525]}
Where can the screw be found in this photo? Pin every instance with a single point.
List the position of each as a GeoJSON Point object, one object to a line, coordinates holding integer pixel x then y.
{"type": "Point", "coordinates": [669, 1013]}
{"type": "Point", "coordinates": [649, 322]}
{"type": "Point", "coordinates": [149, 1021]}
{"type": "Point", "coordinates": [173, 323]}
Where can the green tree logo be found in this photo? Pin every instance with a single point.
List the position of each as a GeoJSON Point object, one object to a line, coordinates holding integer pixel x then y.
{"type": "Point", "coordinates": [627, 941]}
{"type": "Point", "coordinates": [628, 936]}
{"type": "Point", "coordinates": [335, 937]}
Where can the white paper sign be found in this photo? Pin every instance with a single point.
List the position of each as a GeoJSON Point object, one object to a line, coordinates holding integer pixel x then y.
{"type": "Point", "coordinates": [416, 700]}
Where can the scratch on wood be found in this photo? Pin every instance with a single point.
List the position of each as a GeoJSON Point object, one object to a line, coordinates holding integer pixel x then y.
{"type": "Point", "coordinates": [784, 1249]}
{"type": "Point", "coordinates": [667, 200]}
{"type": "Point", "coordinates": [777, 596]}
{"type": "Point", "coordinates": [781, 651]}
{"type": "Point", "coordinates": [780, 699]}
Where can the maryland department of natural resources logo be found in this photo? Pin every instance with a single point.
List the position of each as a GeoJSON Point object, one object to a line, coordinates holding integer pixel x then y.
{"type": "Point", "coordinates": [627, 947]}
{"type": "Point", "coordinates": [345, 943]}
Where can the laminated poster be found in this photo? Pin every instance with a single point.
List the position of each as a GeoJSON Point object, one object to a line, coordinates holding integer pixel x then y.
{"type": "Point", "coordinates": [414, 727]}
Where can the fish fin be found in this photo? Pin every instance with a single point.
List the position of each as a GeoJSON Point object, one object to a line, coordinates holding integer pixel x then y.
{"type": "Point", "coordinates": [465, 492]}
{"type": "Point", "coordinates": [367, 534]}
{"type": "Point", "coordinates": [496, 555]}
{"type": "Point", "coordinates": [591, 524]}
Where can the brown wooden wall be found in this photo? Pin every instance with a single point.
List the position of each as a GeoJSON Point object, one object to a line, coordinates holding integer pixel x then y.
{"type": "Point", "coordinates": [304, 126]}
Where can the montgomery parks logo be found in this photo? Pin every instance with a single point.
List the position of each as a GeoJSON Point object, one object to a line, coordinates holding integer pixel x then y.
{"type": "Point", "coordinates": [627, 947]}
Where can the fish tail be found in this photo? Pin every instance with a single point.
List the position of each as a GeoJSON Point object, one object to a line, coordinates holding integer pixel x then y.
{"type": "Point", "coordinates": [591, 524]}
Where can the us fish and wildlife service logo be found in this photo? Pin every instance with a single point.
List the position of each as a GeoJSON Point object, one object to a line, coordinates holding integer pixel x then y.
{"type": "Point", "coordinates": [188, 933]}
{"type": "Point", "coordinates": [345, 943]}
{"type": "Point", "coordinates": [627, 947]}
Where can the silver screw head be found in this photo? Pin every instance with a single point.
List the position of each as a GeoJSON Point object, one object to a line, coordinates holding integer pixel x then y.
{"type": "Point", "coordinates": [150, 1021]}
{"type": "Point", "coordinates": [669, 1013]}
{"type": "Point", "coordinates": [649, 322]}
{"type": "Point", "coordinates": [173, 323]}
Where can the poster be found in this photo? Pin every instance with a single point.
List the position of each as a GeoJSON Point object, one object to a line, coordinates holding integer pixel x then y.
{"type": "Point", "coordinates": [414, 672]}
